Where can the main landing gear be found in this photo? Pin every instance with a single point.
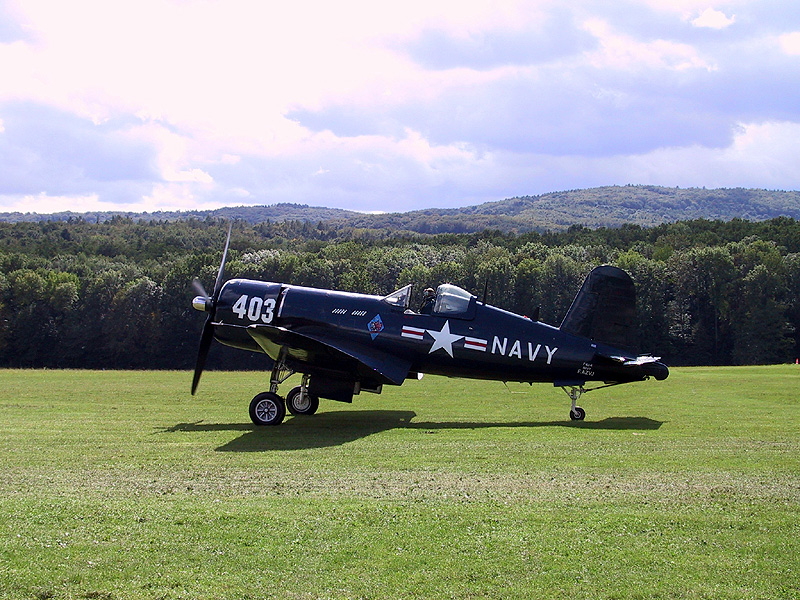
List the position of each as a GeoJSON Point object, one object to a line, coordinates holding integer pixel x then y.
{"type": "Point", "coordinates": [268, 408]}
{"type": "Point", "coordinates": [576, 413]}
{"type": "Point", "coordinates": [299, 401]}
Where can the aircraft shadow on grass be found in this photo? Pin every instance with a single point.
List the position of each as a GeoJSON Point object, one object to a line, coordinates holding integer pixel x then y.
{"type": "Point", "coordinates": [337, 428]}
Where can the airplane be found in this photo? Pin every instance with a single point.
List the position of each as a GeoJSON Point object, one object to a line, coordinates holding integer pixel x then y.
{"type": "Point", "coordinates": [346, 343]}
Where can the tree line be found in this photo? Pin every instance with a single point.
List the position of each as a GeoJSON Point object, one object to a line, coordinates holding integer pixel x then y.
{"type": "Point", "coordinates": [117, 294]}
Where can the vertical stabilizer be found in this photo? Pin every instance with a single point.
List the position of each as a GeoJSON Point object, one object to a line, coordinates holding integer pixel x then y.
{"type": "Point", "coordinates": [604, 309]}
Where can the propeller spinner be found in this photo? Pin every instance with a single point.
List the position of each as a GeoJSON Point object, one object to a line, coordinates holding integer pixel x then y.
{"type": "Point", "coordinates": [208, 304]}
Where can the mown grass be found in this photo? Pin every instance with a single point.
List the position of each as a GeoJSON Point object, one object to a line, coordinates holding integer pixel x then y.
{"type": "Point", "coordinates": [120, 485]}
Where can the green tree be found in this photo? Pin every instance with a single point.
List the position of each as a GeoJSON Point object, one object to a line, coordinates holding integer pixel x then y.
{"type": "Point", "coordinates": [653, 292]}
{"type": "Point", "coordinates": [561, 278]}
{"type": "Point", "coordinates": [703, 277]}
{"type": "Point", "coordinates": [762, 331]}
{"type": "Point", "coordinates": [37, 305]}
{"type": "Point", "coordinates": [791, 266]}
{"type": "Point", "coordinates": [133, 333]}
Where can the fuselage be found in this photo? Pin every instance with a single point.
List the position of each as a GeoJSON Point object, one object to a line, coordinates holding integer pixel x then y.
{"type": "Point", "coordinates": [461, 338]}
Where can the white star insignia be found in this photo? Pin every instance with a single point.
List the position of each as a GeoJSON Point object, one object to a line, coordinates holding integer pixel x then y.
{"type": "Point", "coordinates": [443, 339]}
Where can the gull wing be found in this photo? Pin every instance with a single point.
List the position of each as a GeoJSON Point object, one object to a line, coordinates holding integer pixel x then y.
{"type": "Point", "coordinates": [321, 348]}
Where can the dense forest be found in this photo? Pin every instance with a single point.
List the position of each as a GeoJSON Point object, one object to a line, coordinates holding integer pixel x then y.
{"type": "Point", "coordinates": [117, 294]}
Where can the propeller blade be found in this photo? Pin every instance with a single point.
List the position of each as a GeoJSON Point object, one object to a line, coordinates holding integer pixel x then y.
{"type": "Point", "coordinates": [210, 305]}
{"type": "Point", "coordinates": [221, 273]}
{"type": "Point", "coordinates": [202, 353]}
{"type": "Point", "coordinates": [198, 287]}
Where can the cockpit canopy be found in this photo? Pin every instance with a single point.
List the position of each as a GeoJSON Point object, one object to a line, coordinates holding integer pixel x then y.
{"type": "Point", "coordinates": [451, 300]}
{"type": "Point", "coordinates": [401, 298]}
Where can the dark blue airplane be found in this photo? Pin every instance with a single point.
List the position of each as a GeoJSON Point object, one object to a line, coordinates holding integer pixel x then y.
{"type": "Point", "coordinates": [345, 343]}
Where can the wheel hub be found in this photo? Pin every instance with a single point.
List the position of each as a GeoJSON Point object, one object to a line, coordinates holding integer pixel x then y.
{"type": "Point", "coordinates": [301, 402]}
{"type": "Point", "coordinates": [266, 410]}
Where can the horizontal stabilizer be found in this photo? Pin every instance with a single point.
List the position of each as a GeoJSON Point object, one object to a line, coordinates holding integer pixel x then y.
{"type": "Point", "coordinates": [604, 309]}
{"type": "Point", "coordinates": [645, 365]}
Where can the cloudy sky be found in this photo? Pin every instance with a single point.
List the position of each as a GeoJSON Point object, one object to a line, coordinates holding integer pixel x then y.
{"type": "Point", "coordinates": [378, 106]}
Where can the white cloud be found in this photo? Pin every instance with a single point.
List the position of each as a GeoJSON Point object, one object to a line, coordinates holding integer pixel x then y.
{"type": "Point", "coordinates": [790, 43]}
{"type": "Point", "coordinates": [230, 159]}
{"type": "Point", "coordinates": [239, 193]}
{"type": "Point", "coordinates": [175, 196]}
{"type": "Point", "coordinates": [189, 175]}
{"type": "Point", "coordinates": [43, 203]}
{"type": "Point", "coordinates": [193, 102]}
{"type": "Point", "coordinates": [623, 52]}
{"type": "Point", "coordinates": [687, 10]}
{"type": "Point", "coordinates": [765, 152]}
{"type": "Point", "coordinates": [230, 68]}
{"type": "Point", "coordinates": [356, 179]}
{"type": "Point", "coordinates": [713, 19]}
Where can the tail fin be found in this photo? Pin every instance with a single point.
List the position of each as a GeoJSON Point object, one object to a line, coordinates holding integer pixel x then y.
{"type": "Point", "coordinates": [604, 309]}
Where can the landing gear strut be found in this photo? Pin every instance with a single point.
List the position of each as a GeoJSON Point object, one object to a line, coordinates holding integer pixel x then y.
{"type": "Point", "coordinates": [576, 413]}
{"type": "Point", "coordinates": [299, 401]}
{"type": "Point", "coordinates": [268, 408]}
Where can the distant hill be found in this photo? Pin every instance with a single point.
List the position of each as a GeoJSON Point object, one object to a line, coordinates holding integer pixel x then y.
{"type": "Point", "coordinates": [252, 214]}
{"type": "Point", "coordinates": [609, 206]}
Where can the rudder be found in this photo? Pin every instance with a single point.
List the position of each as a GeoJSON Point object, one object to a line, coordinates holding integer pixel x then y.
{"type": "Point", "coordinates": [604, 309]}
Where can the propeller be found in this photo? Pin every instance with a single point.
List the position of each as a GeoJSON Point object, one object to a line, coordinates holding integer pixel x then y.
{"type": "Point", "coordinates": [208, 304]}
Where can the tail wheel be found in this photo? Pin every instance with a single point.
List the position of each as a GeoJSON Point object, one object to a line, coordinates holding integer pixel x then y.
{"type": "Point", "coordinates": [577, 414]}
{"type": "Point", "coordinates": [267, 409]}
{"type": "Point", "coordinates": [301, 404]}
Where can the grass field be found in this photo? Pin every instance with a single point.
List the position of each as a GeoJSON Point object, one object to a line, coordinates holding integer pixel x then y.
{"type": "Point", "coordinates": [120, 485]}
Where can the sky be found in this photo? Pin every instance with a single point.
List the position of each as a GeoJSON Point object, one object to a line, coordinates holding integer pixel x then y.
{"type": "Point", "coordinates": [151, 105]}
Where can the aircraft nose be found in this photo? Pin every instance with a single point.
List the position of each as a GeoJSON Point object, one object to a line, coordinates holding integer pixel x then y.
{"type": "Point", "coordinates": [200, 303]}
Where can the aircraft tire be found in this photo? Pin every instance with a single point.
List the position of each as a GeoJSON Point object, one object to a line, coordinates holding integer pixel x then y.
{"type": "Point", "coordinates": [296, 407]}
{"type": "Point", "coordinates": [267, 409]}
{"type": "Point", "coordinates": [578, 414]}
